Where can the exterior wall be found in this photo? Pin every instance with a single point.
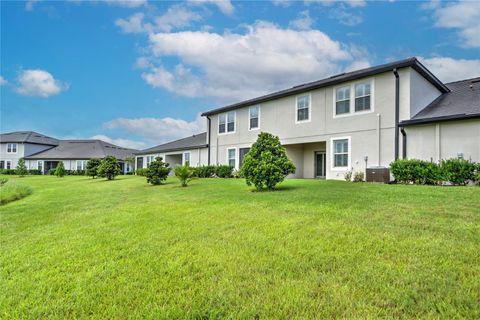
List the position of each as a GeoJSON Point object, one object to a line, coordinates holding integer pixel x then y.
{"type": "Point", "coordinates": [14, 157]}
{"type": "Point", "coordinates": [422, 93]}
{"type": "Point", "coordinates": [68, 164]}
{"type": "Point", "coordinates": [444, 140]}
{"type": "Point", "coordinates": [198, 157]}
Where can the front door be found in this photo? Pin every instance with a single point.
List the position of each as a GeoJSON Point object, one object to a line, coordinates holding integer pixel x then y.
{"type": "Point", "coordinates": [320, 164]}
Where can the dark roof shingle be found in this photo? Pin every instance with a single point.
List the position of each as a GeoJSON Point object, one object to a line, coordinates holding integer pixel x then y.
{"type": "Point", "coordinates": [28, 137]}
{"type": "Point", "coordinates": [193, 142]}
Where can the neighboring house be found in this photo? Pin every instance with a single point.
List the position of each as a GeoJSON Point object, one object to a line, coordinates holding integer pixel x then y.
{"type": "Point", "coordinates": [191, 149]}
{"type": "Point", "coordinates": [20, 144]}
{"type": "Point", "coordinates": [354, 120]}
{"type": "Point", "coordinates": [44, 153]}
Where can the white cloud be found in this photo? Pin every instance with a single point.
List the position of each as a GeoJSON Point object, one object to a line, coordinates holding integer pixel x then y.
{"type": "Point", "coordinates": [303, 22]}
{"type": "Point", "coordinates": [282, 3]}
{"type": "Point", "coordinates": [351, 3]}
{"type": "Point", "coordinates": [159, 130]}
{"type": "Point", "coordinates": [224, 5]}
{"type": "Point", "coordinates": [29, 5]}
{"type": "Point", "coordinates": [344, 16]}
{"type": "Point", "coordinates": [235, 66]}
{"type": "Point", "coordinates": [3, 81]}
{"type": "Point", "coordinates": [132, 144]}
{"type": "Point", "coordinates": [463, 16]}
{"type": "Point", "coordinates": [36, 82]}
{"type": "Point", "coordinates": [127, 3]}
{"type": "Point", "coordinates": [448, 69]}
{"type": "Point", "coordinates": [134, 24]}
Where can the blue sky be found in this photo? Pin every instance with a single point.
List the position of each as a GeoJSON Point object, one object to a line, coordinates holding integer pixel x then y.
{"type": "Point", "coordinates": [139, 73]}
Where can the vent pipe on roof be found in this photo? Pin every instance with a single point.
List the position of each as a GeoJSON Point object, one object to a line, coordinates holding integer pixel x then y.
{"type": "Point", "coordinates": [397, 109]}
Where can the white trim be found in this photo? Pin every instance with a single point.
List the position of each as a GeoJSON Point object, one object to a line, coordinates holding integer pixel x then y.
{"type": "Point", "coordinates": [236, 157]}
{"type": "Point", "coordinates": [332, 154]}
{"type": "Point", "coordinates": [309, 95]}
{"type": "Point", "coordinates": [40, 161]}
{"type": "Point", "coordinates": [189, 158]}
{"type": "Point", "coordinates": [13, 144]}
{"type": "Point", "coordinates": [226, 123]}
{"type": "Point", "coordinates": [259, 111]}
{"type": "Point", "coordinates": [352, 98]}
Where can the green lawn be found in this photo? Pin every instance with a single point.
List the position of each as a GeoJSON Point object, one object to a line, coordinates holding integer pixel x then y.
{"type": "Point", "coordinates": [89, 248]}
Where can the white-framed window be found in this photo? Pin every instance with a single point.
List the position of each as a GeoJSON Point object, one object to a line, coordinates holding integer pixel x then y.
{"type": "Point", "coordinates": [342, 100]}
{"type": "Point", "coordinates": [231, 121]}
{"type": "Point", "coordinates": [354, 98]}
{"type": "Point", "coordinates": [222, 123]}
{"type": "Point", "coordinates": [232, 157]}
{"type": "Point", "coordinates": [8, 164]}
{"type": "Point", "coordinates": [254, 118]}
{"type": "Point", "coordinates": [2, 164]}
{"type": "Point", "coordinates": [303, 109]}
{"type": "Point", "coordinates": [226, 122]}
{"type": "Point", "coordinates": [11, 148]}
{"type": "Point", "coordinates": [341, 153]}
{"type": "Point", "coordinates": [149, 159]}
{"type": "Point", "coordinates": [40, 165]}
{"type": "Point", "coordinates": [81, 164]}
{"type": "Point", "coordinates": [186, 158]}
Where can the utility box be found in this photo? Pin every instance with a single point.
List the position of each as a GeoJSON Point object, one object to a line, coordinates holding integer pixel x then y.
{"type": "Point", "coordinates": [378, 174]}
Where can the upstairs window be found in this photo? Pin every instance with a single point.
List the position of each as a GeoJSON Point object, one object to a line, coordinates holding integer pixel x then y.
{"type": "Point", "coordinates": [11, 148]}
{"type": "Point", "coordinates": [231, 121]}
{"type": "Point", "coordinates": [231, 157]}
{"type": "Point", "coordinates": [362, 97]}
{"type": "Point", "coordinates": [340, 153]}
{"type": "Point", "coordinates": [342, 102]}
{"type": "Point", "coordinates": [226, 122]}
{"type": "Point", "coordinates": [254, 116]}
{"type": "Point", "coordinates": [303, 108]}
{"type": "Point", "coordinates": [222, 123]}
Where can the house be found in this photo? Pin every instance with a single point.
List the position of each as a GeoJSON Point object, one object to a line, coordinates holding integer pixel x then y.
{"type": "Point", "coordinates": [190, 149]}
{"type": "Point", "coordinates": [355, 120]}
{"type": "Point", "coordinates": [44, 153]}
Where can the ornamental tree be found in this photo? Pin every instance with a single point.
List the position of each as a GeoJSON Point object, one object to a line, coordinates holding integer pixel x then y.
{"type": "Point", "coordinates": [92, 167]}
{"type": "Point", "coordinates": [21, 169]}
{"type": "Point", "coordinates": [60, 169]}
{"type": "Point", "coordinates": [266, 164]}
{"type": "Point", "coordinates": [157, 172]}
{"type": "Point", "coordinates": [109, 168]}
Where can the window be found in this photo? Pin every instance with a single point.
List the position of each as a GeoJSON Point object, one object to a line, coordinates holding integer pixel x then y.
{"type": "Point", "coordinates": [242, 152]}
{"type": "Point", "coordinates": [362, 97]}
{"type": "Point", "coordinates": [11, 148]}
{"type": "Point", "coordinates": [150, 159]}
{"type": "Point", "coordinates": [341, 153]}
{"type": "Point", "coordinates": [221, 123]}
{"type": "Point", "coordinates": [226, 122]}
{"type": "Point", "coordinates": [231, 157]}
{"type": "Point", "coordinates": [40, 166]}
{"type": "Point", "coordinates": [303, 108]}
{"type": "Point", "coordinates": [186, 158]}
{"type": "Point", "coordinates": [2, 164]}
{"type": "Point", "coordinates": [231, 121]}
{"type": "Point", "coordinates": [342, 102]}
{"type": "Point", "coordinates": [8, 164]}
{"type": "Point", "coordinates": [254, 116]}
{"type": "Point", "coordinates": [81, 164]}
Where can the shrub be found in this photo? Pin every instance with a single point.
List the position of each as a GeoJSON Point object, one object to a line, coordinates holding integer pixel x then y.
{"type": "Point", "coordinates": [184, 174]}
{"type": "Point", "coordinates": [204, 171]}
{"type": "Point", "coordinates": [34, 172]}
{"type": "Point", "coordinates": [21, 168]}
{"type": "Point", "coordinates": [358, 176]}
{"type": "Point", "coordinates": [60, 170]}
{"type": "Point", "coordinates": [157, 171]}
{"type": "Point", "coordinates": [12, 191]}
{"type": "Point", "coordinates": [457, 171]}
{"type": "Point", "coordinates": [223, 171]}
{"type": "Point", "coordinates": [7, 171]}
{"type": "Point", "coordinates": [109, 168]}
{"type": "Point", "coordinates": [266, 164]}
{"type": "Point", "coordinates": [141, 172]}
{"type": "Point", "coordinates": [477, 173]}
{"type": "Point", "coordinates": [92, 168]}
{"type": "Point", "coordinates": [3, 181]}
{"type": "Point", "coordinates": [348, 176]}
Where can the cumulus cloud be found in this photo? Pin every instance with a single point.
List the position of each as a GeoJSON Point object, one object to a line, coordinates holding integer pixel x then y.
{"type": "Point", "coordinates": [131, 144]}
{"type": "Point", "coordinates": [303, 22]}
{"type": "Point", "coordinates": [448, 69]}
{"type": "Point", "coordinates": [36, 82]}
{"type": "Point", "coordinates": [159, 130]}
{"type": "Point", "coordinates": [463, 16]}
{"type": "Point", "coordinates": [223, 5]}
{"type": "Point", "coordinates": [237, 66]}
{"type": "Point", "coordinates": [134, 24]}
{"type": "Point", "coordinates": [3, 81]}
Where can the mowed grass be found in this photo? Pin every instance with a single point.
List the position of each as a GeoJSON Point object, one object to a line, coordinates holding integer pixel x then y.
{"type": "Point", "coordinates": [83, 248]}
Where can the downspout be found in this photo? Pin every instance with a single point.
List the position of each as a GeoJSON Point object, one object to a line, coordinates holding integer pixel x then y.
{"type": "Point", "coordinates": [397, 109]}
{"type": "Point", "coordinates": [404, 143]}
{"type": "Point", "coordinates": [209, 125]}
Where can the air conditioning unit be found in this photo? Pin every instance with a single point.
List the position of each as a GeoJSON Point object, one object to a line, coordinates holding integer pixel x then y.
{"type": "Point", "coordinates": [378, 174]}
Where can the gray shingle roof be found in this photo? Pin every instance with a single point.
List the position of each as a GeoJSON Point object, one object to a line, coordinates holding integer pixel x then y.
{"type": "Point", "coordinates": [193, 142]}
{"type": "Point", "coordinates": [410, 62]}
{"type": "Point", "coordinates": [28, 137]}
{"type": "Point", "coordinates": [83, 149]}
{"type": "Point", "coordinates": [463, 101]}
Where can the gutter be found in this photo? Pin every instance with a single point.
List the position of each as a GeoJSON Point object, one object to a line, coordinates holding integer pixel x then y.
{"type": "Point", "coordinates": [397, 109]}
{"type": "Point", "coordinates": [209, 124]}
{"type": "Point", "coordinates": [404, 143]}
{"type": "Point", "coordinates": [453, 117]}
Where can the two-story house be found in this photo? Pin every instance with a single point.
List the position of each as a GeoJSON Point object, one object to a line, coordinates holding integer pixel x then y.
{"type": "Point", "coordinates": [355, 120]}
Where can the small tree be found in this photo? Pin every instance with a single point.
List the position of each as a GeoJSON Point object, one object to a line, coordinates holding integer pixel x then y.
{"type": "Point", "coordinates": [60, 170]}
{"type": "Point", "coordinates": [92, 167]}
{"type": "Point", "coordinates": [21, 169]}
{"type": "Point", "coordinates": [109, 168]}
{"type": "Point", "coordinates": [157, 171]}
{"type": "Point", "coordinates": [266, 164]}
{"type": "Point", "coordinates": [185, 174]}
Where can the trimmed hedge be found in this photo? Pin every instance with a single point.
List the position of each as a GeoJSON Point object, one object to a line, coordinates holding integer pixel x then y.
{"type": "Point", "coordinates": [14, 172]}
{"type": "Point", "coordinates": [141, 172]}
{"type": "Point", "coordinates": [455, 171]}
{"type": "Point", "coordinates": [220, 171]}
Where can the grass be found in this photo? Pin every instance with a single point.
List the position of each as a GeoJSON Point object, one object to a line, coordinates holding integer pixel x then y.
{"type": "Point", "coordinates": [83, 248]}
{"type": "Point", "coordinates": [12, 191]}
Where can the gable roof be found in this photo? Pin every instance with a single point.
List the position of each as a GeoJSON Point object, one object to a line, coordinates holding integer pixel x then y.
{"type": "Point", "coordinates": [343, 77]}
{"type": "Point", "coordinates": [28, 137]}
{"type": "Point", "coordinates": [462, 102]}
{"type": "Point", "coordinates": [83, 149]}
{"type": "Point", "coordinates": [194, 142]}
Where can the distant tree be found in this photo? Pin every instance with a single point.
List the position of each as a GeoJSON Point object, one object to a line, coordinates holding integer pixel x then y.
{"type": "Point", "coordinates": [185, 174]}
{"type": "Point", "coordinates": [92, 167]}
{"type": "Point", "coordinates": [157, 171]}
{"type": "Point", "coordinates": [266, 164]}
{"type": "Point", "coordinates": [60, 170]}
{"type": "Point", "coordinates": [21, 169]}
{"type": "Point", "coordinates": [109, 168]}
